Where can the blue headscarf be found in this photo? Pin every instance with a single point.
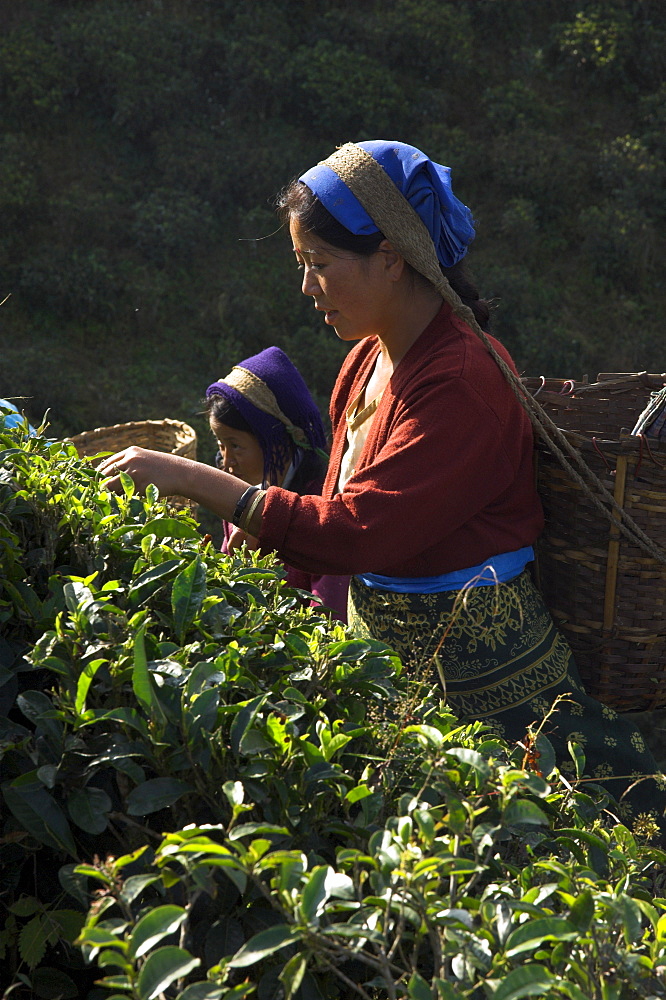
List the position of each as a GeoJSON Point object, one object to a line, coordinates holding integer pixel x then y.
{"type": "Point", "coordinates": [425, 185]}
{"type": "Point", "coordinates": [10, 416]}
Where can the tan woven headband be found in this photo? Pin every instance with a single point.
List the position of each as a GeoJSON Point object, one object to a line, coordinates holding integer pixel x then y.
{"type": "Point", "coordinates": [257, 392]}
{"type": "Point", "coordinates": [392, 213]}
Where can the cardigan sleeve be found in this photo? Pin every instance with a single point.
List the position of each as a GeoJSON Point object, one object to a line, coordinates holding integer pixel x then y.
{"type": "Point", "coordinates": [447, 456]}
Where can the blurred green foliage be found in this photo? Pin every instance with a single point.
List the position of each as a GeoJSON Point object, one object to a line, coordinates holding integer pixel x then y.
{"type": "Point", "coordinates": [142, 143]}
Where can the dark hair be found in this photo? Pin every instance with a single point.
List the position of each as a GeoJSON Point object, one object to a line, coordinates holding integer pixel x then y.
{"type": "Point", "coordinates": [296, 201]}
{"type": "Point", "coordinates": [222, 411]}
{"type": "Point", "coordinates": [308, 477]}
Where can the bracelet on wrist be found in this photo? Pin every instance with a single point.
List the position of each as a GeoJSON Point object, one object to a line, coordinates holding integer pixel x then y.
{"type": "Point", "coordinates": [251, 509]}
{"type": "Point", "coordinates": [243, 500]}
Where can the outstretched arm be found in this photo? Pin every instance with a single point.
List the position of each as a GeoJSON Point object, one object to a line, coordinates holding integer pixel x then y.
{"type": "Point", "coordinates": [174, 475]}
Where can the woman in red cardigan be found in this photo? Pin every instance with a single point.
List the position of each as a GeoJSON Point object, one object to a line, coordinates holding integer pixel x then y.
{"type": "Point", "coordinates": [429, 500]}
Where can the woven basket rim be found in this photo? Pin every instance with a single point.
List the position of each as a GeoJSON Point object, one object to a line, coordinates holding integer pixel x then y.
{"type": "Point", "coordinates": [581, 398]}
{"type": "Point", "coordinates": [604, 380]}
{"type": "Point", "coordinates": [165, 421]}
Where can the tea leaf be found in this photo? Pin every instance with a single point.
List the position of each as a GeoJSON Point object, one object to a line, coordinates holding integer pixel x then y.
{"type": "Point", "coordinates": [527, 981]}
{"type": "Point", "coordinates": [33, 940]}
{"type": "Point", "coordinates": [154, 926]}
{"type": "Point", "coordinates": [170, 527]}
{"type": "Point", "coordinates": [87, 807]}
{"type": "Point", "coordinates": [187, 595]}
{"type": "Point", "coordinates": [84, 682]}
{"type": "Point", "coordinates": [524, 811]}
{"type": "Point", "coordinates": [264, 944]}
{"type": "Point", "coordinates": [53, 984]}
{"type": "Point", "coordinates": [141, 679]}
{"type": "Point", "coordinates": [418, 989]}
{"type": "Point", "coordinates": [203, 991]}
{"type": "Point", "coordinates": [531, 934]}
{"type": "Point", "coordinates": [161, 968]}
{"type": "Point", "coordinates": [242, 724]}
{"type": "Point", "coordinates": [155, 794]}
{"type": "Point", "coordinates": [292, 974]}
{"type": "Point", "coordinates": [39, 813]}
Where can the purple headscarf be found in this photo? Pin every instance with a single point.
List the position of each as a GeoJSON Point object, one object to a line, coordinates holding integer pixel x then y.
{"type": "Point", "coordinates": [425, 185]}
{"type": "Point", "coordinates": [248, 388]}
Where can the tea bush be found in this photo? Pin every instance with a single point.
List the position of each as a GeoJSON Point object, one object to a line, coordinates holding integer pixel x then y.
{"type": "Point", "coordinates": [212, 792]}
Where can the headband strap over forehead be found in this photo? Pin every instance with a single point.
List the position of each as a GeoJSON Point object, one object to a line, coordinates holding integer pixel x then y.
{"type": "Point", "coordinates": [392, 213]}
{"type": "Point", "coordinates": [258, 393]}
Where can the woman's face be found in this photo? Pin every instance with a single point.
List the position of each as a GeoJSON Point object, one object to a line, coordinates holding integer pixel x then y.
{"type": "Point", "coordinates": [241, 452]}
{"type": "Point", "coordinates": [354, 293]}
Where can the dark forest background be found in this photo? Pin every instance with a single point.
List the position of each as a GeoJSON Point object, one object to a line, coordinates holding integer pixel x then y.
{"type": "Point", "coordinates": [142, 144]}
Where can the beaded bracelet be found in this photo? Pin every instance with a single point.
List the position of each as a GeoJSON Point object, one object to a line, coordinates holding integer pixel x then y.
{"type": "Point", "coordinates": [242, 504]}
{"type": "Point", "coordinates": [251, 509]}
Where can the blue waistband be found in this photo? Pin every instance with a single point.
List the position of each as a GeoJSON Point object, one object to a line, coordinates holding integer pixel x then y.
{"type": "Point", "coordinates": [497, 569]}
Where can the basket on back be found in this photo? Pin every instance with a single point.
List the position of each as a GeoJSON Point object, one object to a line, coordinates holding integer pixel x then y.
{"type": "Point", "coordinates": [607, 594]}
{"type": "Point", "coordinates": [172, 436]}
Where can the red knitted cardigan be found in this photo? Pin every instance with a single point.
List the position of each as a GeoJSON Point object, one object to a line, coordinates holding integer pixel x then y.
{"type": "Point", "coordinates": [445, 479]}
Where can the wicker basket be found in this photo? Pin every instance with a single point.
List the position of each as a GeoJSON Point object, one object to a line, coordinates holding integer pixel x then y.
{"type": "Point", "coordinates": [172, 436]}
{"type": "Point", "coordinates": [606, 594]}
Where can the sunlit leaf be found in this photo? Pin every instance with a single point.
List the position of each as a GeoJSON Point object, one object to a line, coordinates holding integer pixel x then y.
{"type": "Point", "coordinates": [533, 933]}
{"type": "Point", "coordinates": [264, 944]}
{"type": "Point", "coordinates": [292, 974]}
{"type": "Point", "coordinates": [526, 981]}
{"type": "Point", "coordinates": [154, 926]}
{"type": "Point", "coordinates": [141, 680]}
{"type": "Point", "coordinates": [127, 484]}
{"type": "Point", "coordinates": [163, 967]}
{"type": "Point", "coordinates": [170, 527]}
{"type": "Point", "coordinates": [84, 682]}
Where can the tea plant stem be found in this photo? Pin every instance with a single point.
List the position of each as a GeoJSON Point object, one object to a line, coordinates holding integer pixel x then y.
{"type": "Point", "coordinates": [388, 978]}
{"type": "Point", "coordinates": [398, 935]}
{"type": "Point", "coordinates": [265, 892]}
{"type": "Point", "coordinates": [484, 865]}
{"type": "Point", "coordinates": [387, 915]}
{"type": "Point", "coordinates": [122, 818]}
{"type": "Point", "coordinates": [438, 960]}
{"type": "Point", "coordinates": [327, 950]}
{"type": "Point", "coordinates": [345, 979]}
{"type": "Point", "coordinates": [122, 839]}
{"type": "Point", "coordinates": [452, 877]}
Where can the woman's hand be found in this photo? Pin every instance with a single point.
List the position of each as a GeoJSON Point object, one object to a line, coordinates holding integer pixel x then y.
{"type": "Point", "coordinates": [239, 537]}
{"type": "Point", "coordinates": [168, 472]}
